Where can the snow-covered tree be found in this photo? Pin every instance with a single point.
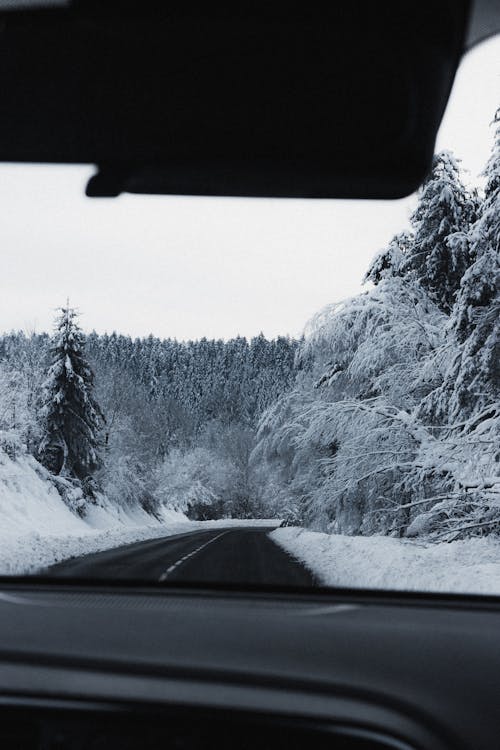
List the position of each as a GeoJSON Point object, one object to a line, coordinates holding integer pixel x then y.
{"type": "Point", "coordinates": [445, 207]}
{"type": "Point", "coordinates": [196, 482]}
{"type": "Point", "coordinates": [393, 426]}
{"type": "Point", "coordinates": [348, 431]}
{"type": "Point", "coordinates": [476, 316]}
{"type": "Point", "coordinates": [392, 260]}
{"type": "Point", "coordinates": [22, 372]}
{"type": "Point", "coordinates": [471, 383]}
{"type": "Point", "coordinates": [73, 420]}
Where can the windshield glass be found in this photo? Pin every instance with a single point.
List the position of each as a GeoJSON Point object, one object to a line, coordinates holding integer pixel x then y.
{"type": "Point", "coordinates": [265, 392]}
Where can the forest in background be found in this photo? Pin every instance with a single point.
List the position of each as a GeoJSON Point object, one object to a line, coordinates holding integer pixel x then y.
{"type": "Point", "coordinates": [383, 419]}
{"type": "Point", "coordinates": [154, 422]}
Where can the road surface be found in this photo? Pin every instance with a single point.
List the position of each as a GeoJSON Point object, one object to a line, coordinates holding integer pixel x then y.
{"type": "Point", "coordinates": [242, 555]}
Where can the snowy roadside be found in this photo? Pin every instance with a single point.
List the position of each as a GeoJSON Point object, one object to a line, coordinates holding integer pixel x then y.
{"type": "Point", "coordinates": [468, 566]}
{"type": "Point", "coordinates": [32, 552]}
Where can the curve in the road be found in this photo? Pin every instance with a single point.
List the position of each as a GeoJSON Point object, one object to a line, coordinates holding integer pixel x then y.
{"type": "Point", "coordinates": [235, 555]}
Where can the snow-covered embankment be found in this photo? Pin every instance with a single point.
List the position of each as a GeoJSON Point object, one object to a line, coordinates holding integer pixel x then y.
{"type": "Point", "coordinates": [468, 566]}
{"type": "Point", "coordinates": [37, 528]}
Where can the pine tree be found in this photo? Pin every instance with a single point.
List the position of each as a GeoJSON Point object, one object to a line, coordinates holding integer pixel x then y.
{"type": "Point", "coordinates": [445, 208]}
{"type": "Point", "coordinates": [72, 418]}
{"type": "Point", "coordinates": [476, 315]}
{"type": "Point", "coordinates": [391, 261]}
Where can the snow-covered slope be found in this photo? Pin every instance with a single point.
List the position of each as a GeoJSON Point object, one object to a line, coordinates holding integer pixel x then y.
{"type": "Point", "coordinates": [38, 529]}
{"type": "Point", "coordinates": [468, 566]}
{"type": "Point", "coordinates": [28, 500]}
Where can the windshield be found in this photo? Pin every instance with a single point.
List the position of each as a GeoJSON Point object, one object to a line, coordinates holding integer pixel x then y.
{"type": "Point", "coordinates": [258, 392]}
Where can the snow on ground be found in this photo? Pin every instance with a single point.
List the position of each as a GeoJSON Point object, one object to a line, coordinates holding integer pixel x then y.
{"type": "Point", "coordinates": [37, 529]}
{"type": "Point", "coordinates": [468, 566]}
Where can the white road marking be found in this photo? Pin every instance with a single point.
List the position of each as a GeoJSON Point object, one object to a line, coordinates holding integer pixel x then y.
{"type": "Point", "coordinates": [186, 557]}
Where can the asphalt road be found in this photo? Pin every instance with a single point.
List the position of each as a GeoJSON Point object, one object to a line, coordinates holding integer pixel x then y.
{"type": "Point", "coordinates": [242, 555]}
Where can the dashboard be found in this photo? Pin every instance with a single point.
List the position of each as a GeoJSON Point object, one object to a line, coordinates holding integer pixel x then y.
{"type": "Point", "coordinates": [130, 668]}
{"type": "Point", "coordinates": [121, 728]}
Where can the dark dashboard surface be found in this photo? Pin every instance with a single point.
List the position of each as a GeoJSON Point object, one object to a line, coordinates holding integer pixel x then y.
{"type": "Point", "coordinates": [426, 671]}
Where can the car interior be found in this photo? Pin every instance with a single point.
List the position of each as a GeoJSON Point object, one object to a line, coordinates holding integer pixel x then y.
{"type": "Point", "coordinates": [257, 99]}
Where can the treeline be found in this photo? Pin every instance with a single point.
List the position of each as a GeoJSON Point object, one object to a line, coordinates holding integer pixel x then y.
{"type": "Point", "coordinates": [157, 421]}
{"type": "Point", "coordinates": [393, 424]}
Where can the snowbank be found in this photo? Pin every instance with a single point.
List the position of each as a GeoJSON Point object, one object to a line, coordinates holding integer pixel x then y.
{"type": "Point", "coordinates": [33, 551]}
{"type": "Point", "coordinates": [469, 566]}
{"type": "Point", "coordinates": [28, 500]}
{"type": "Point", "coordinates": [38, 529]}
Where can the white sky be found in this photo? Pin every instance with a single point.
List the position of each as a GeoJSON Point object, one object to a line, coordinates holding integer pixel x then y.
{"type": "Point", "coordinates": [190, 267]}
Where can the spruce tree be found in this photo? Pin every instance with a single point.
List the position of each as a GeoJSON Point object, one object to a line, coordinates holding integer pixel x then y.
{"type": "Point", "coordinates": [476, 315]}
{"type": "Point", "coordinates": [445, 208]}
{"type": "Point", "coordinates": [72, 418]}
{"type": "Point", "coordinates": [392, 260]}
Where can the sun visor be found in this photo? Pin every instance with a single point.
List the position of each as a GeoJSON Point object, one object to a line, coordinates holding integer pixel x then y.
{"type": "Point", "coordinates": [334, 100]}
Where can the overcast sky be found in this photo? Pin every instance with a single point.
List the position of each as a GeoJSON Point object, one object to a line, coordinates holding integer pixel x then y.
{"type": "Point", "coordinates": [190, 267]}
